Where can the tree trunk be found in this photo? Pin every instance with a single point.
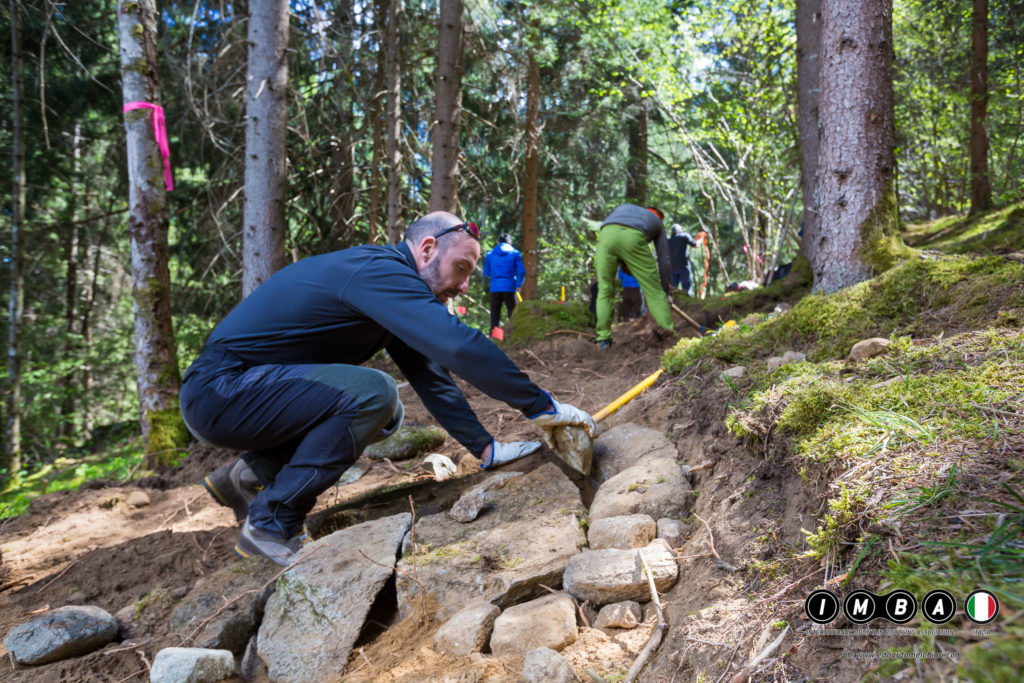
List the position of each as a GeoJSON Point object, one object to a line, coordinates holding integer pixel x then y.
{"type": "Point", "coordinates": [266, 120]}
{"type": "Point", "coordinates": [636, 170]}
{"type": "Point", "coordinates": [376, 109]}
{"type": "Point", "coordinates": [808, 67]}
{"type": "Point", "coordinates": [530, 179]}
{"type": "Point", "coordinates": [447, 109]}
{"type": "Point", "coordinates": [855, 182]}
{"type": "Point", "coordinates": [156, 361]}
{"type": "Point", "coordinates": [12, 452]}
{"type": "Point", "coordinates": [71, 254]}
{"type": "Point", "coordinates": [343, 204]}
{"type": "Point", "coordinates": [981, 186]}
{"type": "Point", "coordinates": [392, 58]}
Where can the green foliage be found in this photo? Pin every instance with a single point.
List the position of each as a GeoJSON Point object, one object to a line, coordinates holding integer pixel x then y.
{"type": "Point", "coordinates": [839, 524]}
{"type": "Point", "coordinates": [967, 292]}
{"type": "Point", "coordinates": [999, 231]}
{"type": "Point", "coordinates": [532, 320]}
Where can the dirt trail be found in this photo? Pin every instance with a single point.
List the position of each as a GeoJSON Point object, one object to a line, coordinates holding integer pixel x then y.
{"type": "Point", "coordinates": [91, 547]}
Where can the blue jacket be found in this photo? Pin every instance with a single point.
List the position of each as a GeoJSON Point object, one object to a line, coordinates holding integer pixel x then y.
{"type": "Point", "coordinates": [504, 265]}
{"type": "Point", "coordinates": [628, 281]}
{"type": "Point", "coordinates": [345, 306]}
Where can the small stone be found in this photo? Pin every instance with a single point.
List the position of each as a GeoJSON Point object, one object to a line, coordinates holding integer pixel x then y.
{"type": "Point", "coordinates": [544, 665]}
{"type": "Point", "coordinates": [138, 499]}
{"type": "Point", "coordinates": [793, 357]}
{"type": "Point", "coordinates": [869, 348]}
{"type": "Point", "coordinates": [774, 363]}
{"type": "Point", "coordinates": [468, 507]}
{"type": "Point", "coordinates": [624, 531]}
{"type": "Point", "coordinates": [549, 621]}
{"type": "Point", "coordinates": [352, 474]}
{"type": "Point", "coordinates": [60, 633]}
{"type": "Point", "coordinates": [735, 372]}
{"type": "Point", "coordinates": [467, 631]}
{"type": "Point", "coordinates": [441, 466]}
{"type": "Point", "coordinates": [673, 531]}
{"type": "Point", "coordinates": [619, 615]}
{"type": "Point", "coordinates": [191, 665]}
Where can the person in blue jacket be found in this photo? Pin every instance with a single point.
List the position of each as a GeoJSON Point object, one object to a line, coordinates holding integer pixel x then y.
{"type": "Point", "coordinates": [632, 303]}
{"type": "Point", "coordinates": [281, 378]}
{"type": "Point", "coordinates": [504, 266]}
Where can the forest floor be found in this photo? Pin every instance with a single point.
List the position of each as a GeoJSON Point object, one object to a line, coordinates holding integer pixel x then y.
{"type": "Point", "coordinates": [805, 479]}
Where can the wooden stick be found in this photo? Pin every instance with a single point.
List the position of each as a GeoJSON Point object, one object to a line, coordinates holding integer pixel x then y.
{"type": "Point", "coordinates": [684, 316]}
{"type": "Point", "coordinates": [62, 572]}
{"type": "Point", "coordinates": [659, 629]}
{"type": "Point", "coordinates": [711, 538]}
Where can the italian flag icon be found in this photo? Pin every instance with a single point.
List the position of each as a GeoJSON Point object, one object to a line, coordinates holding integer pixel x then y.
{"type": "Point", "coordinates": [981, 607]}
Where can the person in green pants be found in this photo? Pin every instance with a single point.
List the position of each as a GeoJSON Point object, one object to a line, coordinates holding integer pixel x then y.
{"type": "Point", "coordinates": [624, 237]}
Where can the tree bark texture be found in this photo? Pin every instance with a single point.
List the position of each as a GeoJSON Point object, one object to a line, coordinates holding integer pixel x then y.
{"type": "Point", "coordinates": [393, 61]}
{"type": "Point", "coordinates": [16, 303]}
{"type": "Point", "coordinates": [981, 185]}
{"type": "Point", "coordinates": [343, 203]}
{"type": "Point", "coordinates": [71, 255]}
{"type": "Point", "coordinates": [156, 361]}
{"type": "Point", "coordinates": [444, 179]}
{"type": "Point", "coordinates": [855, 180]}
{"type": "Point", "coordinates": [266, 121]}
{"type": "Point", "coordinates": [808, 66]}
{"type": "Point", "coordinates": [531, 181]}
{"type": "Point", "coordinates": [376, 110]}
{"type": "Point", "coordinates": [636, 169]}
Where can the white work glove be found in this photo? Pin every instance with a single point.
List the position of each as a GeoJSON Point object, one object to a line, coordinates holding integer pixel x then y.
{"type": "Point", "coordinates": [502, 453]}
{"type": "Point", "coordinates": [563, 415]}
{"type": "Point", "coordinates": [392, 425]}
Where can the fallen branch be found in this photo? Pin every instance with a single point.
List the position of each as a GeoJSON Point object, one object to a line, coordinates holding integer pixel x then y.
{"type": "Point", "coordinates": [582, 334]}
{"type": "Point", "coordinates": [745, 672]}
{"type": "Point", "coordinates": [62, 572]}
{"type": "Point", "coordinates": [729, 663]}
{"type": "Point", "coordinates": [184, 506]}
{"type": "Point", "coordinates": [659, 629]}
{"type": "Point", "coordinates": [711, 537]}
{"type": "Point", "coordinates": [537, 358]}
{"type": "Point", "coordinates": [787, 588]}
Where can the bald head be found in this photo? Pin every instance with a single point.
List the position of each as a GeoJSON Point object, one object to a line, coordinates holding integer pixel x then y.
{"type": "Point", "coordinates": [431, 224]}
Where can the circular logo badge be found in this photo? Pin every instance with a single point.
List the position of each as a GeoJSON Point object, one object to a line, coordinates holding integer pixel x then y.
{"type": "Point", "coordinates": [822, 606]}
{"type": "Point", "coordinates": [860, 607]}
{"type": "Point", "coordinates": [938, 606]}
{"type": "Point", "coordinates": [900, 606]}
{"type": "Point", "coordinates": [981, 607]}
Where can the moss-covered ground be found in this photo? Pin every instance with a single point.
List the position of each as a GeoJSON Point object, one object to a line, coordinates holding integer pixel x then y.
{"type": "Point", "coordinates": [534, 320]}
{"type": "Point", "coordinates": [918, 452]}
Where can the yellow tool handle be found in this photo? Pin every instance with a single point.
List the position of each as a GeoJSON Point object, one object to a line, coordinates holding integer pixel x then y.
{"type": "Point", "coordinates": [519, 296]}
{"type": "Point", "coordinates": [627, 397]}
{"type": "Point", "coordinates": [683, 315]}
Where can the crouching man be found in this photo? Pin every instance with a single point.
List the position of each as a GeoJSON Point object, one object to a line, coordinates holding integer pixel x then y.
{"type": "Point", "coordinates": [280, 376]}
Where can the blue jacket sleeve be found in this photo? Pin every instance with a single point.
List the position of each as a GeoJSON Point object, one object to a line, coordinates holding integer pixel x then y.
{"type": "Point", "coordinates": [520, 271]}
{"type": "Point", "coordinates": [441, 396]}
{"type": "Point", "coordinates": [397, 299]}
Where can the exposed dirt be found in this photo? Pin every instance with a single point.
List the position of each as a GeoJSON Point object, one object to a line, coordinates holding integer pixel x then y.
{"type": "Point", "coordinates": [91, 547]}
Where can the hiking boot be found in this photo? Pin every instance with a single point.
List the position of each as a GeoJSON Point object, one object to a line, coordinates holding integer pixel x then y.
{"type": "Point", "coordinates": [253, 542]}
{"type": "Point", "coordinates": [604, 344]}
{"type": "Point", "coordinates": [233, 485]}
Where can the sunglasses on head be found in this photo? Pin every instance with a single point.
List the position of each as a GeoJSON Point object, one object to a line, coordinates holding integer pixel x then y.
{"type": "Point", "coordinates": [469, 227]}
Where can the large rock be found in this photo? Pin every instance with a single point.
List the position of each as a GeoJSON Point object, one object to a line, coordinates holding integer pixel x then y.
{"type": "Point", "coordinates": [657, 487]}
{"type": "Point", "coordinates": [191, 665]}
{"type": "Point", "coordinates": [232, 628]}
{"type": "Point", "coordinates": [869, 348]}
{"type": "Point", "coordinates": [544, 665]}
{"type": "Point", "coordinates": [318, 609]}
{"type": "Point", "coordinates": [467, 632]}
{"type": "Point", "coordinates": [60, 633]}
{"type": "Point", "coordinates": [673, 531]}
{"type": "Point", "coordinates": [408, 442]}
{"type": "Point", "coordinates": [524, 538]}
{"type": "Point", "coordinates": [468, 506]}
{"type": "Point", "coordinates": [625, 445]}
{"type": "Point", "coordinates": [549, 621]}
{"type": "Point", "coordinates": [612, 575]}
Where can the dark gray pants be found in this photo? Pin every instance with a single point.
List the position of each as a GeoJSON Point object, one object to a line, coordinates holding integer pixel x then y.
{"type": "Point", "coordinates": [301, 425]}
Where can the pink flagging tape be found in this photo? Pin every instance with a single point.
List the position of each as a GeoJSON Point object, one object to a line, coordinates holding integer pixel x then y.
{"type": "Point", "coordinates": [160, 131]}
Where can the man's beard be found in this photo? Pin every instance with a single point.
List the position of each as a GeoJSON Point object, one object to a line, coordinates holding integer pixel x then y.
{"type": "Point", "coordinates": [432, 275]}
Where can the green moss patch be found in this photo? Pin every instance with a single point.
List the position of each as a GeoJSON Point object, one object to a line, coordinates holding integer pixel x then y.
{"type": "Point", "coordinates": [408, 442]}
{"type": "Point", "coordinates": [1000, 231]}
{"type": "Point", "coordinates": [533, 320]}
{"type": "Point", "coordinates": [918, 297]}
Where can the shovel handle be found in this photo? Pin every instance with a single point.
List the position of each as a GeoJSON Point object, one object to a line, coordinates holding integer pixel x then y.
{"type": "Point", "coordinates": [628, 396]}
